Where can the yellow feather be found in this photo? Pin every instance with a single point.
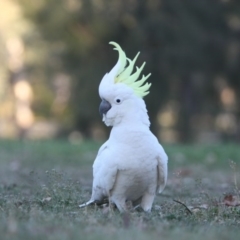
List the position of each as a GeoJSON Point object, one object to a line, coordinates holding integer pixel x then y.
{"type": "Point", "coordinates": [135, 76]}
{"type": "Point", "coordinates": [122, 57]}
{"type": "Point", "coordinates": [139, 83]}
{"type": "Point", "coordinates": [128, 70]}
{"type": "Point", "coordinates": [124, 73]}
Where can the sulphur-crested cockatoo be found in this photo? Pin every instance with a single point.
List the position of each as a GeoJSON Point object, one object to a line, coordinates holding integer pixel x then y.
{"type": "Point", "coordinates": [131, 165]}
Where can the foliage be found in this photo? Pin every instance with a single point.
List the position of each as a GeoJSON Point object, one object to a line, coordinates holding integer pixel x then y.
{"type": "Point", "coordinates": [191, 48]}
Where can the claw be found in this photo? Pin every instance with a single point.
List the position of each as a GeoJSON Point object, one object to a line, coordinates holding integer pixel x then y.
{"type": "Point", "coordinates": [87, 203]}
{"type": "Point", "coordinates": [137, 206]}
{"type": "Point", "coordinates": [91, 202]}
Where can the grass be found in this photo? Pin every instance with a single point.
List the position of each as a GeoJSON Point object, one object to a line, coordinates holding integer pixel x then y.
{"type": "Point", "coordinates": [42, 183]}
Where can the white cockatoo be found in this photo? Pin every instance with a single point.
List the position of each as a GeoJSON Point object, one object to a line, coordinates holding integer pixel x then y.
{"type": "Point", "coordinates": [131, 165]}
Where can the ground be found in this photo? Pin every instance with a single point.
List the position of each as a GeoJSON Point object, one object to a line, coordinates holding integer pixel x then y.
{"type": "Point", "coordinates": [42, 184]}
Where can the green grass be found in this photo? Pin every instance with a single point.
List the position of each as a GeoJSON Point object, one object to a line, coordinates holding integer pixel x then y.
{"type": "Point", "coordinates": [42, 183]}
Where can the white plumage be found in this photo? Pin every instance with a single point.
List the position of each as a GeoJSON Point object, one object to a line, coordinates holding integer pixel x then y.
{"type": "Point", "coordinates": [131, 165]}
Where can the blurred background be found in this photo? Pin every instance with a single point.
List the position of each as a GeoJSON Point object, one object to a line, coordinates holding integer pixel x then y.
{"type": "Point", "coordinates": [54, 54]}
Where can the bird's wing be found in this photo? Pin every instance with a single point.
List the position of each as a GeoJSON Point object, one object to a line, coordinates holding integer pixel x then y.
{"type": "Point", "coordinates": [162, 170]}
{"type": "Point", "coordinates": [99, 160]}
{"type": "Point", "coordinates": [105, 169]}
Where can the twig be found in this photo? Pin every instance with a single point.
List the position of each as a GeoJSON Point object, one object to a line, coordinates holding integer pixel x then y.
{"type": "Point", "coordinates": [188, 210]}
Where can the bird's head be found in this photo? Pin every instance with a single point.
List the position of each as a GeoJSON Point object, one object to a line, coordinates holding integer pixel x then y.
{"type": "Point", "coordinates": [122, 91]}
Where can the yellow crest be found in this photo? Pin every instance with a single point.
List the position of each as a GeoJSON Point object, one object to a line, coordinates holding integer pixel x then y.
{"type": "Point", "coordinates": [124, 74]}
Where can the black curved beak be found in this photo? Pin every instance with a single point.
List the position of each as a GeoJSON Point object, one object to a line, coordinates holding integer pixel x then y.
{"type": "Point", "coordinates": [104, 107]}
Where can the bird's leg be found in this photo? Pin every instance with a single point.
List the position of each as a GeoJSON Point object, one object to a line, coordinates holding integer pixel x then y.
{"type": "Point", "coordinates": [137, 203]}
{"type": "Point", "coordinates": [121, 204]}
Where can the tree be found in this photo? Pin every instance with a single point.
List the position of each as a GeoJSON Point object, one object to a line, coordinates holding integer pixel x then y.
{"type": "Point", "coordinates": [187, 45]}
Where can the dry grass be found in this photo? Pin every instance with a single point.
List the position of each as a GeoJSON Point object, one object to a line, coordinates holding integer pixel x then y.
{"type": "Point", "coordinates": [41, 185]}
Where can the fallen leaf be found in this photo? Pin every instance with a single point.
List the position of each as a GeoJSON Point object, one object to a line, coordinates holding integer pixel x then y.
{"type": "Point", "coordinates": [157, 207]}
{"type": "Point", "coordinates": [47, 199]}
{"type": "Point", "coordinates": [196, 209]}
{"type": "Point", "coordinates": [232, 201]}
{"type": "Point", "coordinates": [203, 206]}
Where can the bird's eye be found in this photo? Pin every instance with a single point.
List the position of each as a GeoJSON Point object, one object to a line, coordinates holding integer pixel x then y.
{"type": "Point", "coordinates": [117, 100]}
